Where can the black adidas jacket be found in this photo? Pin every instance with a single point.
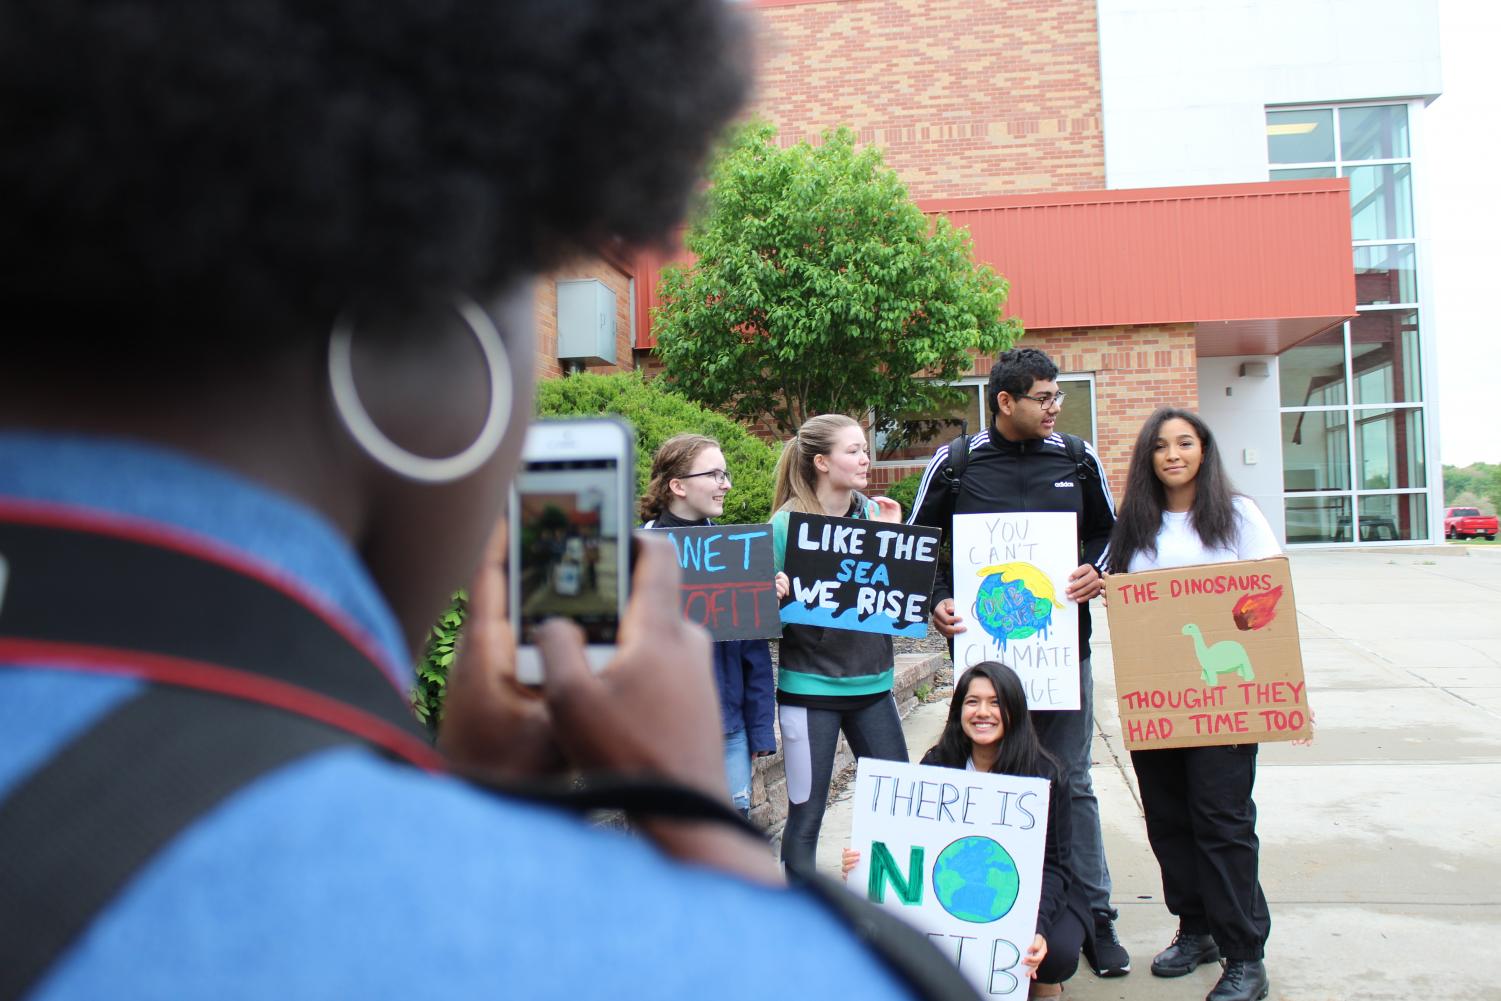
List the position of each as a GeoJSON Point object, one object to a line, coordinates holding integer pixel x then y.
{"type": "Point", "coordinates": [1008, 477]}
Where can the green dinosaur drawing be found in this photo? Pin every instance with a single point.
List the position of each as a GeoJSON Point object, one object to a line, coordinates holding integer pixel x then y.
{"type": "Point", "coordinates": [1223, 657]}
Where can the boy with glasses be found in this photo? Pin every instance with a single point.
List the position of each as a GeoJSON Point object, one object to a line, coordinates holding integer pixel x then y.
{"type": "Point", "coordinates": [1022, 463]}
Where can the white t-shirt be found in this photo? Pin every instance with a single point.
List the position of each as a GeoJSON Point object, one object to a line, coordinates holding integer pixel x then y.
{"type": "Point", "coordinates": [1178, 545]}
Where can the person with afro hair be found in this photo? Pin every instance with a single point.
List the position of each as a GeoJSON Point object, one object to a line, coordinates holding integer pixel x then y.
{"type": "Point", "coordinates": [267, 277]}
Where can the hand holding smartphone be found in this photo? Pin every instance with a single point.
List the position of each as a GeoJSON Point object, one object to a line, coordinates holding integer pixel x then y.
{"type": "Point", "coordinates": [570, 534]}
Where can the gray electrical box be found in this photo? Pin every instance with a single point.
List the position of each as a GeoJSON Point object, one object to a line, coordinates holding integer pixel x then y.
{"type": "Point", "coordinates": [586, 322]}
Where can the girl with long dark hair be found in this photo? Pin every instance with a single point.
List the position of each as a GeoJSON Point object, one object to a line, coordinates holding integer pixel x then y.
{"type": "Point", "coordinates": [990, 730]}
{"type": "Point", "coordinates": [1179, 510]}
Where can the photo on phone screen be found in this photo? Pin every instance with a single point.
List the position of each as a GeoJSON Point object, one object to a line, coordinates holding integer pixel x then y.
{"type": "Point", "coordinates": [570, 535]}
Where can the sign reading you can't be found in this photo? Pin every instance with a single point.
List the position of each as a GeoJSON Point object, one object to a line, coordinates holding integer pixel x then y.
{"type": "Point", "coordinates": [1011, 587]}
{"type": "Point", "coordinates": [1208, 655]}
{"type": "Point", "coordinates": [869, 576]}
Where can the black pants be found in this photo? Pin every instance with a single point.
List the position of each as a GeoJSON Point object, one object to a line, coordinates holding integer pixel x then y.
{"type": "Point", "coordinates": [1065, 939]}
{"type": "Point", "coordinates": [1201, 822]}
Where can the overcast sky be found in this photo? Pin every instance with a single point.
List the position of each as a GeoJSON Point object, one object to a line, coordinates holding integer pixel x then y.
{"type": "Point", "coordinates": [1462, 160]}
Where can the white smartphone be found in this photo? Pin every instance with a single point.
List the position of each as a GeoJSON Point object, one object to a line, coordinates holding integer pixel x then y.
{"type": "Point", "coordinates": [571, 518]}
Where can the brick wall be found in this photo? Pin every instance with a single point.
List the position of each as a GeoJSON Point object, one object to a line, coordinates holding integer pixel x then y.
{"type": "Point", "coordinates": [966, 97]}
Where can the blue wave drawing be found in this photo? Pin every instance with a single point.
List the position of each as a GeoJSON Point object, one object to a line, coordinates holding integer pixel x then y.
{"type": "Point", "coordinates": [797, 614]}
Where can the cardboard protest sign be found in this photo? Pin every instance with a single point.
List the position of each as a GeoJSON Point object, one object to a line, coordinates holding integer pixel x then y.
{"type": "Point", "coordinates": [729, 579]}
{"type": "Point", "coordinates": [1010, 587]}
{"type": "Point", "coordinates": [1208, 655]}
{"type": "Point", "coordinates": [959, 855]}
{"type": "Point", "coordinates": [868, 576]}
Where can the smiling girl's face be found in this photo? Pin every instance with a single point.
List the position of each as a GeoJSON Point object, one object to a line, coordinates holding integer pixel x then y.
{"type": "Point", "coordinates": [980, 716]}
{"type": "Point", "coordinates": [1177, 454]}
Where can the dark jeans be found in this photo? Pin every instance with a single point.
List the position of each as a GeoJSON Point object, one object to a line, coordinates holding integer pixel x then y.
{"type": "Point", "coordinates": [1201, 822]}
{"type": "Point", "coordinates": [1069, 736]}
{"type": "Point", "coordinates": [1065, 939]}
{"type": "Point", "coordinates": [809, 740]}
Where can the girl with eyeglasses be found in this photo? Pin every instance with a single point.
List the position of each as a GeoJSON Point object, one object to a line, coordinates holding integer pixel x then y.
{"type": "Point", "coordinates": [1179, 510]}
{"type": "Point", "coordinates": [828, 680]}
{"type": "Point", "coordinates": [689, 481]}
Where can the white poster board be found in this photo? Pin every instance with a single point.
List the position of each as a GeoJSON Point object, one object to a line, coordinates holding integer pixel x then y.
{"type": "Point", "coordinates": [959, 855]}
{"type": "Point", "coordinates": [1010, 587]}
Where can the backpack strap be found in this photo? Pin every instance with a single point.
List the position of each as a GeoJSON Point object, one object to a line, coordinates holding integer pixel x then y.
{"type": "Point", "coordinates": [956, 461]}
{"type": "Point", "coordinates": [1074, 446]}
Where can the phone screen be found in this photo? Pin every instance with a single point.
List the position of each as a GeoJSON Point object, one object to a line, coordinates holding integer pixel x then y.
{"type": "Point", "coordinates": [570, 546]}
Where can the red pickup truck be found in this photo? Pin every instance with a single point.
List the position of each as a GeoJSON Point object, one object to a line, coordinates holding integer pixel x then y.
{"type": "Point", "coordinates": [1467, 522]}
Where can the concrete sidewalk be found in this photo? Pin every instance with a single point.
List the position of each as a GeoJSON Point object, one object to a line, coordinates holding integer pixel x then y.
{"type": "Point", "coordinates": [1380, 850]}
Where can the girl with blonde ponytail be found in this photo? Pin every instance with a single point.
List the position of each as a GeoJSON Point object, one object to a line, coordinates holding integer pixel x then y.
{"type": "Point", "coordinates": [829, 680]}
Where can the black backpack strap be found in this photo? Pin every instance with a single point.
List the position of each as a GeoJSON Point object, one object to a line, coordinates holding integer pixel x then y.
{"type": "Point", "coordinates": [956, 461]}
{"type": "Point", "coordinates": [74, 600]}
{"type": "Point", "coordinates": [78, 829]}
{"type": "Point", "coordinates": [1074, 446]}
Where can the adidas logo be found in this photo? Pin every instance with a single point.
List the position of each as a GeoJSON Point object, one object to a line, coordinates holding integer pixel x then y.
{"type": "Point", "coordinates": [1064, 483]}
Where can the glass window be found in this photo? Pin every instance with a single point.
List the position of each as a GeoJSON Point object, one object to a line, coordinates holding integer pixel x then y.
{"type": "Point", "coordinates": [1315, 451]}
{"type": "Point", "coordinates": [1373, 133]}
{"type": "Point", "coordinates": [1384, 356]}
{"type": "Point", "coordinates": [1392, 517]}
{"type": "Point", "coordinates": [1390, 446]}
{"type": "Point", "coordinates": [918, 436]}
{"type": "Point", "coordinates": [1077, 415]}
{"type": "Point", "coordinates": [1386, 274]}
{"type": "Point", "coordinates": [1313, 373]}
{"type": "Point", "coordinates": [1380, 202]}
{"type": "Point", "coordinates": [1300, 136]}
{"type": "Point", "coordinates": [1317, 519]}
{"type": "Point", "coordinates": [1298, 173]}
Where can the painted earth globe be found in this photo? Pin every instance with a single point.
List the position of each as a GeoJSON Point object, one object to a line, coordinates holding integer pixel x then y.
{"type": "Point", "coordinates": [1008, 610]}
{"type": "Point", "coordinates": [975, 879]}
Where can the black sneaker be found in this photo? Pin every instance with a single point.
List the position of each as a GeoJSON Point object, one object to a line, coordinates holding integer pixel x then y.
{"type": "Point", "coordinates": [1106, 957]}
{"type": "Point", "coordinates": [1186, 953]}
{"type": "Point", "coordinates": [1243, 980]}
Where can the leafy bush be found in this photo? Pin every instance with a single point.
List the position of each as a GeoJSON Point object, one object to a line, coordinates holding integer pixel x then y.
{"type": "Point", "coordinates": [657, 414]}
{"type": "Point", "coordinates": [432, 669]}
{"type": "Point", "coordinates": [904, 491]}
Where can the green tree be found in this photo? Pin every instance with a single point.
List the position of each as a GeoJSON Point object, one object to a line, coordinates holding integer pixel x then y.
{"type": "Point", "coordinates": [819, 287]}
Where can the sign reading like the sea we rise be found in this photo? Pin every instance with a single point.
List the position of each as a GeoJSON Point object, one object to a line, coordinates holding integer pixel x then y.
{"type": "Point", "coordinates": [868, 576]}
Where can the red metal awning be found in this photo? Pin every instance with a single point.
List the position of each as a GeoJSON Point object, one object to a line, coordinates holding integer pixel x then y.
{"type": "Point", "coordinates": [1256, 267]}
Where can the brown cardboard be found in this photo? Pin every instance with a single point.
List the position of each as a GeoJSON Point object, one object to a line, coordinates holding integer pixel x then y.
{"type": "Point", "coordinates": [1179, 690]}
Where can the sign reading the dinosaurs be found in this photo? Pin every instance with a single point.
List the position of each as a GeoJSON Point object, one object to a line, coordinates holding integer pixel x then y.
{"type": "Point", "coordinates": [729, 582]}
{"type": "Point", "coordinates": [869, 576]}
{"type": "Point", "coordinates": [1208, 655]}
{"type": "Point", "coordinates": [959, 855]}
{"type": "Point", "coordinates": [1010, 587]}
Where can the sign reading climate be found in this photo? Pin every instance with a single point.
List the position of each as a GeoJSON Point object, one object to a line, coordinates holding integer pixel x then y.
{"type": "Point", "coordinates": [1010, 587]}
{"type": "Point", "coordinates": [869, 576]}
{"type": "Point", "coordinates": [959, 855]}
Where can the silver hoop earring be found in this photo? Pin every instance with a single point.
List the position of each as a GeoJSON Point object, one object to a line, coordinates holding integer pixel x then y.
{"type": "Point", "coordinates": [391, 455]}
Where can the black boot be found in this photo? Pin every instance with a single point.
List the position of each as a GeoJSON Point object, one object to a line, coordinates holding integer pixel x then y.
{"type": "Point", "coordinates": [1187, 953]}
{"type": "Point", "coordinates": [1243, 980]}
